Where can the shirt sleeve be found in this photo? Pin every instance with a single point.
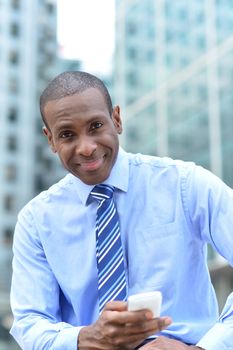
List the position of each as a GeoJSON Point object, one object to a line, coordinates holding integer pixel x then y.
{"type": "Point", "coordinates": [209, 204]}
{"type": "Point", "coordinates": [35, 295]}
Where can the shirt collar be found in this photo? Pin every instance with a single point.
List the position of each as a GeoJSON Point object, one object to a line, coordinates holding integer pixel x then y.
{"type": "Point", "coordinates": [119, 177]}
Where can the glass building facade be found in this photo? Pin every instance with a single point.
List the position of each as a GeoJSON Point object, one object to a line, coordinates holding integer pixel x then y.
{"type": "Point", "coordinates": [173, 74]}
{"type": "Point", "coordinates": [27, 62]}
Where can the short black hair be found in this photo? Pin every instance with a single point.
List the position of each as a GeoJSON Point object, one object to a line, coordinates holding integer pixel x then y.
{"type": "Point", "coordinates": [69, 83]}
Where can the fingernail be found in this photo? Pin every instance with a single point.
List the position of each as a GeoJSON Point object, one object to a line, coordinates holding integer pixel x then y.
{"type": "Point", "coordinates": [149, 315]}
{"type": "Point", "coordinates": [167, 321]}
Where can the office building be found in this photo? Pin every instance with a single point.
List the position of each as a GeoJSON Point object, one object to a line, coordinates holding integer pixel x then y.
{"type": "Point", "coordinates": [27, 62]}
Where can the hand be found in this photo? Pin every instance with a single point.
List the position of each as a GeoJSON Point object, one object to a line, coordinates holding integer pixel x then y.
{"type": "Point", "coordinates": [164, 343]}
{"type": "Point", "coordinates": [119, 329]}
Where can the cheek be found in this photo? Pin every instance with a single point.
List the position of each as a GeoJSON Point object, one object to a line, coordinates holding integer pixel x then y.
{"type": "Point", "coordinates": [64, 153]}
{"type": "Point", "coordinates": [111, 139]}
{"type": "Point", "coordinates": [115, 143]}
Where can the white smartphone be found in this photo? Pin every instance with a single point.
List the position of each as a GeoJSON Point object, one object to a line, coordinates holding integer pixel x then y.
{"type": "Point", "coordinates": [147, 300]}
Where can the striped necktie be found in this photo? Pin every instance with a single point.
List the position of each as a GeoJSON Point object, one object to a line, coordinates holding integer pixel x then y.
{"type": "Point", "coordinates": [109, 253]}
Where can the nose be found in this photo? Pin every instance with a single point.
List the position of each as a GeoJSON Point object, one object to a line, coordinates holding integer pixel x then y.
{"type": "Point", "coordinates": [86, 146]}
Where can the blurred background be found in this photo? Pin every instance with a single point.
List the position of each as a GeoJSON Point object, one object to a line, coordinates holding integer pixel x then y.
{"type": "Point", "coordinates": [168, 64]}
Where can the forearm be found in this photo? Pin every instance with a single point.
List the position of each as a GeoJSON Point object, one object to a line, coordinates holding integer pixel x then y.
{"type": "Point", "coordinates": [165, 343]}
{"type": "Point", "coordinates": [37, 333]}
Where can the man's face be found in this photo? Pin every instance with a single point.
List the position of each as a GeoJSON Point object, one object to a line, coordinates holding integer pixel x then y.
{"type": "Point", "coordinates": [83, 134]}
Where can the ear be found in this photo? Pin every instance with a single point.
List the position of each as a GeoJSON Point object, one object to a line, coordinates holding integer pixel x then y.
{"type": "Point", "coordinates": [116, 117]}
{"type": "Point", "coordinates": [49, 136]}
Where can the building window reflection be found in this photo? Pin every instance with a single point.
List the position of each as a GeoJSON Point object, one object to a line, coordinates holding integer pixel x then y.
{"type": "Point", "coordinates": [15, 4]}
{"type": "Point", "coordinates": [12, 114]}
{"type": "Point", "coordinates": [8, 235]}
{"type": "Point", "coordinates": [11, 143]}
{"type": "Point", "coordinates": [9, 203]}
{"type": "Point", "coordinates": [10, 173]}
{"type": "Point", "coordinates": [13, 85]}
{"type": "Point", "coordinates": [14, 29]}
{"type": "Point", "coordinates": [13, 57]}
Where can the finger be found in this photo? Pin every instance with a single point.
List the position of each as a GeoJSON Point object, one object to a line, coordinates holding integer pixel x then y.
{"type": "Point", "coordinates": [163, 322]}
{"type": "Point", "coordinates": [134, 323]}
{"type": "Point", "coordinates": [130, 334]}
{"type": "Point", "coordinates": [134, 317]}
{"type": "Point", "coordinates": [115, 306]}
{"type": "Point", "coordinates": [152, 326]}
{"type": "Point", "coordinates": [125, 317]}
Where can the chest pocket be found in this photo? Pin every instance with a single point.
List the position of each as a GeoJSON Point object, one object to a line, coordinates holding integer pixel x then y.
{"type": "Point", "coordinates": [157, 230]}
{"type": "Point", "coordinates": [154, 253]}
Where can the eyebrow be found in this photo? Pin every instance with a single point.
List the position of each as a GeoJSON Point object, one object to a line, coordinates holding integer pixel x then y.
{"type": "Point", "coordinates": [66, 124]}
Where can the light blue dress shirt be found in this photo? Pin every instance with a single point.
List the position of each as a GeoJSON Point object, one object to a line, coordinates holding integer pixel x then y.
{"type": "Point", "coordinates": [168, 211]}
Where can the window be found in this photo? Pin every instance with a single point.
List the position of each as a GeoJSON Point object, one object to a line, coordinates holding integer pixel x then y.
{"type": "Point", "coordinates": [13, 85]}
{"type": "Point", "coordinates": [132, 78]}
{"type": "Point", "coordinates": [132, 28]}
{"type": "Point", "coordinates": [12, 115]}
{"type": "Point", "coordinates": [201, 42]}
{"type": "Point", "coordinates": [14, 57]}
{"type": "Point", "coordinates": [14, 29]}
{"type": "Point", "coordinates": [38, 153]}
{"type": "Point", "coordinates": [15, 4]}
{"type": "Point", "coordinates": [9, 203]}
{"type": "Point", "coordinates": [200, 16]}
{"type": "Point", "coordinates": [39, 124]}
{"type": "Point", "coordinates": [169, 59]}
{"type": "Point", "coordinates": [8, 235]}
{"type": "Point", "coordinates": [48, 163]}
{"type": "Point", "coordinates": [10, 173]}
{"type": "Point", "coordinates": [11, 143]}
{"type": "Point", "coordinates": [150, 56]}
{"type": "Point", "coordinates": [182, 13]}
{"type": "Point", "coordinates": [39, 183]}
{"type": "Point", "coordinates": [49, 58]}
{"type": "Point", "coordinates": [50, 8]}
{"type": "Point", "coordinates": [132, 53]}
{"type": "Point", "coordinates": [169, 35]}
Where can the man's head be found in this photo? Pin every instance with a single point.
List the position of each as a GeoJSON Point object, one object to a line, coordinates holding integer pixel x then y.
{"type": "Point", "coordinates": [81, 125]}
{"type": "Point", "coordinates": [70, 83]}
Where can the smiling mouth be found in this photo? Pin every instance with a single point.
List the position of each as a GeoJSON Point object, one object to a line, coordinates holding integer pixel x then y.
{"type": "Point", "coordinates": [91, 165]}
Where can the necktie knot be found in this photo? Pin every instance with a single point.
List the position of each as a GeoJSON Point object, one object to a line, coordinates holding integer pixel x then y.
{"type": "Point", "coordinates": [102, 192]}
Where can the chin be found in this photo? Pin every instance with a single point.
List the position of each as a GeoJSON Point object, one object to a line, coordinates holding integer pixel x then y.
{"type": "Point", "coordinates": [95, 179]}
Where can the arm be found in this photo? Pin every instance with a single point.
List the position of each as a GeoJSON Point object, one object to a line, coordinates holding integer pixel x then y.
{"type": "Point", "coordinates": [209, 205]}
{"type": "Point", "coordinates": [35, 305]}
{"type": "Point", "coordinates": [35, 295]}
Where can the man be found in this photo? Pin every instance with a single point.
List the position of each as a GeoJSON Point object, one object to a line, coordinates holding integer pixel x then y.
{"type": "Point", "coordinates": [168, 210]}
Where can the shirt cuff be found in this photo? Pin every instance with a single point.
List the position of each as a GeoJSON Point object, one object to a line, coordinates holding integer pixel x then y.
{"type": "Point", "coordinates": [77, 334]}
{"type": "Point", "coordinates": [220, 336]}
{"type": "Point", "coordinates": [68, 339]}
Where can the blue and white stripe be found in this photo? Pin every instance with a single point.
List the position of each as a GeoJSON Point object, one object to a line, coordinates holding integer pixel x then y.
{"type": "Point", "coordinates": [109, 253]}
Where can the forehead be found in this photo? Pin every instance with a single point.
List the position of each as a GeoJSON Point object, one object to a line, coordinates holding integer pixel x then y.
{"type": "Point", "coordinates": [87, 103]}
{"type": "Point", "coordinates": [89, 98]}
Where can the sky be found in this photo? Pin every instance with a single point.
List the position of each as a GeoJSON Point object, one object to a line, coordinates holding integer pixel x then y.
{"type": "Point", "coordinates": [86, 32]}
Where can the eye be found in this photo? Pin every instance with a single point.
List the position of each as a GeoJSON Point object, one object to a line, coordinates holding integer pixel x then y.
{"type": "Point", "coordinates": [65, 134]}
{"type": "Point", "coordinates": [95, 125]}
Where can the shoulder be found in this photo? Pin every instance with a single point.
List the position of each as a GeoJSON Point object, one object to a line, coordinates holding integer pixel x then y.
{"type": "Point", "coordinates": [188, 174]}
{"type": "Point", "coordinates": [159, 164]}
{"type": "Point", "coordinates": [52, 196]}
{"type": "Point", "coordinates": [159, 172]}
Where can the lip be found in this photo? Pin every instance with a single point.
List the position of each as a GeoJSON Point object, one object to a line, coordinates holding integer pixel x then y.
{"type": "Point", "coordinates": [91, 165]}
